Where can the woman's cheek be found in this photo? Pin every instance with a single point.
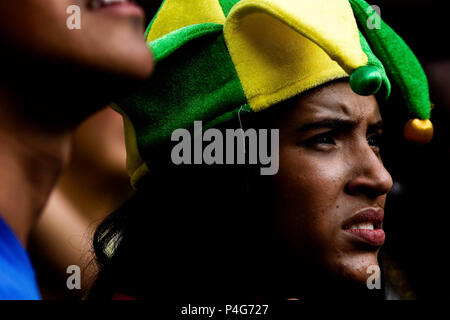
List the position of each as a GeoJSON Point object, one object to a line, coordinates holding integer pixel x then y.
{"type": "Point", "coordinates": [310, 188]}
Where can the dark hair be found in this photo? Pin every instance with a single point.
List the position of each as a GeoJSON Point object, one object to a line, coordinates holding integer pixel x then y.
{"type": "Point", "coordinates": [189, 231]}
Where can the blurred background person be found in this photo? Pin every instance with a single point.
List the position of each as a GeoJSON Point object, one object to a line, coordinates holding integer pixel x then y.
{"type": "Point", "coordinates": [94, 184]}
{"type": "Point", "coordinates": [52, 78]}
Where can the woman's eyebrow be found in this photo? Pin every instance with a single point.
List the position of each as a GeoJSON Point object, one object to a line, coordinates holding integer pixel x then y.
{"type": "Point", "coordinates": [328, 123]}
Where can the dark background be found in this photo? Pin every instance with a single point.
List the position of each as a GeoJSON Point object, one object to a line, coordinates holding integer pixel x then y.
{"type": "Point", "coordinates": [417, 212]}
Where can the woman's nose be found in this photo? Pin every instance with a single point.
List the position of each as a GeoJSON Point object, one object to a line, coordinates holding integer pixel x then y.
{"type": "Point", "coordinates": [368, 176]}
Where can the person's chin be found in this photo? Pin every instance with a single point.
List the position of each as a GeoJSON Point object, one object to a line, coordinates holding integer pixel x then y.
{"type": "Point", "coordinates": [120, 53]}
{"type": "Point", "coordinates": [134, 64]}
{"type": "Point", "coordinates": [360, 268]}
{"type": "Point", "coordinates": [115, 76]}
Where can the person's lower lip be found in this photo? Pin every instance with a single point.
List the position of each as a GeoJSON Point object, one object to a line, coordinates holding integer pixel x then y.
{"type": "Point", "coordinates": [373, 237]}
{"type": "Point", "coordinates": [127, 8]}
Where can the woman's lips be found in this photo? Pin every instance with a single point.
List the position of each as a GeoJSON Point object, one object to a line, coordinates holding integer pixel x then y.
{"type": "Point", "coordinates": [118, 7]}
{"type": "Point", "coordinates": [373, 237]}
{"type": "Point", "coordinates": [366, 226]}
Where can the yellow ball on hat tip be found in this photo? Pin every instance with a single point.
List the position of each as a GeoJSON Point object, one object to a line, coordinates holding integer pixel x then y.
{"type": "Point", "coordinates": [418, 131]}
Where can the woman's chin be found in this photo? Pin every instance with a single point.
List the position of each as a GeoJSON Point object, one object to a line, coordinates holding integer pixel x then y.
{"type": "Point", "coordinates": [361, 269]}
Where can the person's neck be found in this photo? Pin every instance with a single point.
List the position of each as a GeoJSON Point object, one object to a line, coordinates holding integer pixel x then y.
{"type": "Point", "coordinates": [33, 152]}
{"type": "Point", "coordinates": [102, 192]}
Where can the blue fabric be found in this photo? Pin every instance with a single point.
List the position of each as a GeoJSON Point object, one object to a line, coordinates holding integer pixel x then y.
{"type": "Point", "coordinates": [17, 278]}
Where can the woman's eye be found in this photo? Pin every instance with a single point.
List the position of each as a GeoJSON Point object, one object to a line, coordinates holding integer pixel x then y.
{"type": "Point", "coordinates": [374, 140]}
{"type": "Point", "coordinates": [322, 139]}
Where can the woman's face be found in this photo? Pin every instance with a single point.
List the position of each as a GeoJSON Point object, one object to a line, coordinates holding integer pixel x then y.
{"type": "Point", "coordinates": [110, 39]}
{"type": "Point", "coordinates": [332, 184]}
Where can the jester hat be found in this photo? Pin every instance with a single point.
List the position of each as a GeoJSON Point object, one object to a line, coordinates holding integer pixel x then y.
{"type": "Point", "coordinates": [216, 58]}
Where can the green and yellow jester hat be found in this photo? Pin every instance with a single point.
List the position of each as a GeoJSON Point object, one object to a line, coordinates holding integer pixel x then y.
{"type": "Point", "coordinates": [218, 57]}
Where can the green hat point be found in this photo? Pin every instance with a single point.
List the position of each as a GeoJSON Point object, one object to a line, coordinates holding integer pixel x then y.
{"type": "Point", "coordinates": [366, 80]}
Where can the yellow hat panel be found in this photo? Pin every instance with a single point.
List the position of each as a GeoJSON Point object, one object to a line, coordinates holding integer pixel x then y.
{"type": "Point", "coordinates": [284, 47]}
{"type": "Point", "coordinates": [175, 15]}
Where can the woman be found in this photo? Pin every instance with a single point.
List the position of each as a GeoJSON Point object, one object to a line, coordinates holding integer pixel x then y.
{"type": "Point", "coordinates": [52, 78]}
{"type": "Point", "coordinates": [314, 228]}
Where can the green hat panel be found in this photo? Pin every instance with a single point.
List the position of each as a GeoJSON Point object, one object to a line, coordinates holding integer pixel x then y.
{"type": "Point", "coordinates": [227, 5]}
{"type": "Point", "coordinates": [171, 42]}
{"type": "Point", "coordinates": [403, 68]}
{"type": "Point", "coordinates": [401, 64]}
